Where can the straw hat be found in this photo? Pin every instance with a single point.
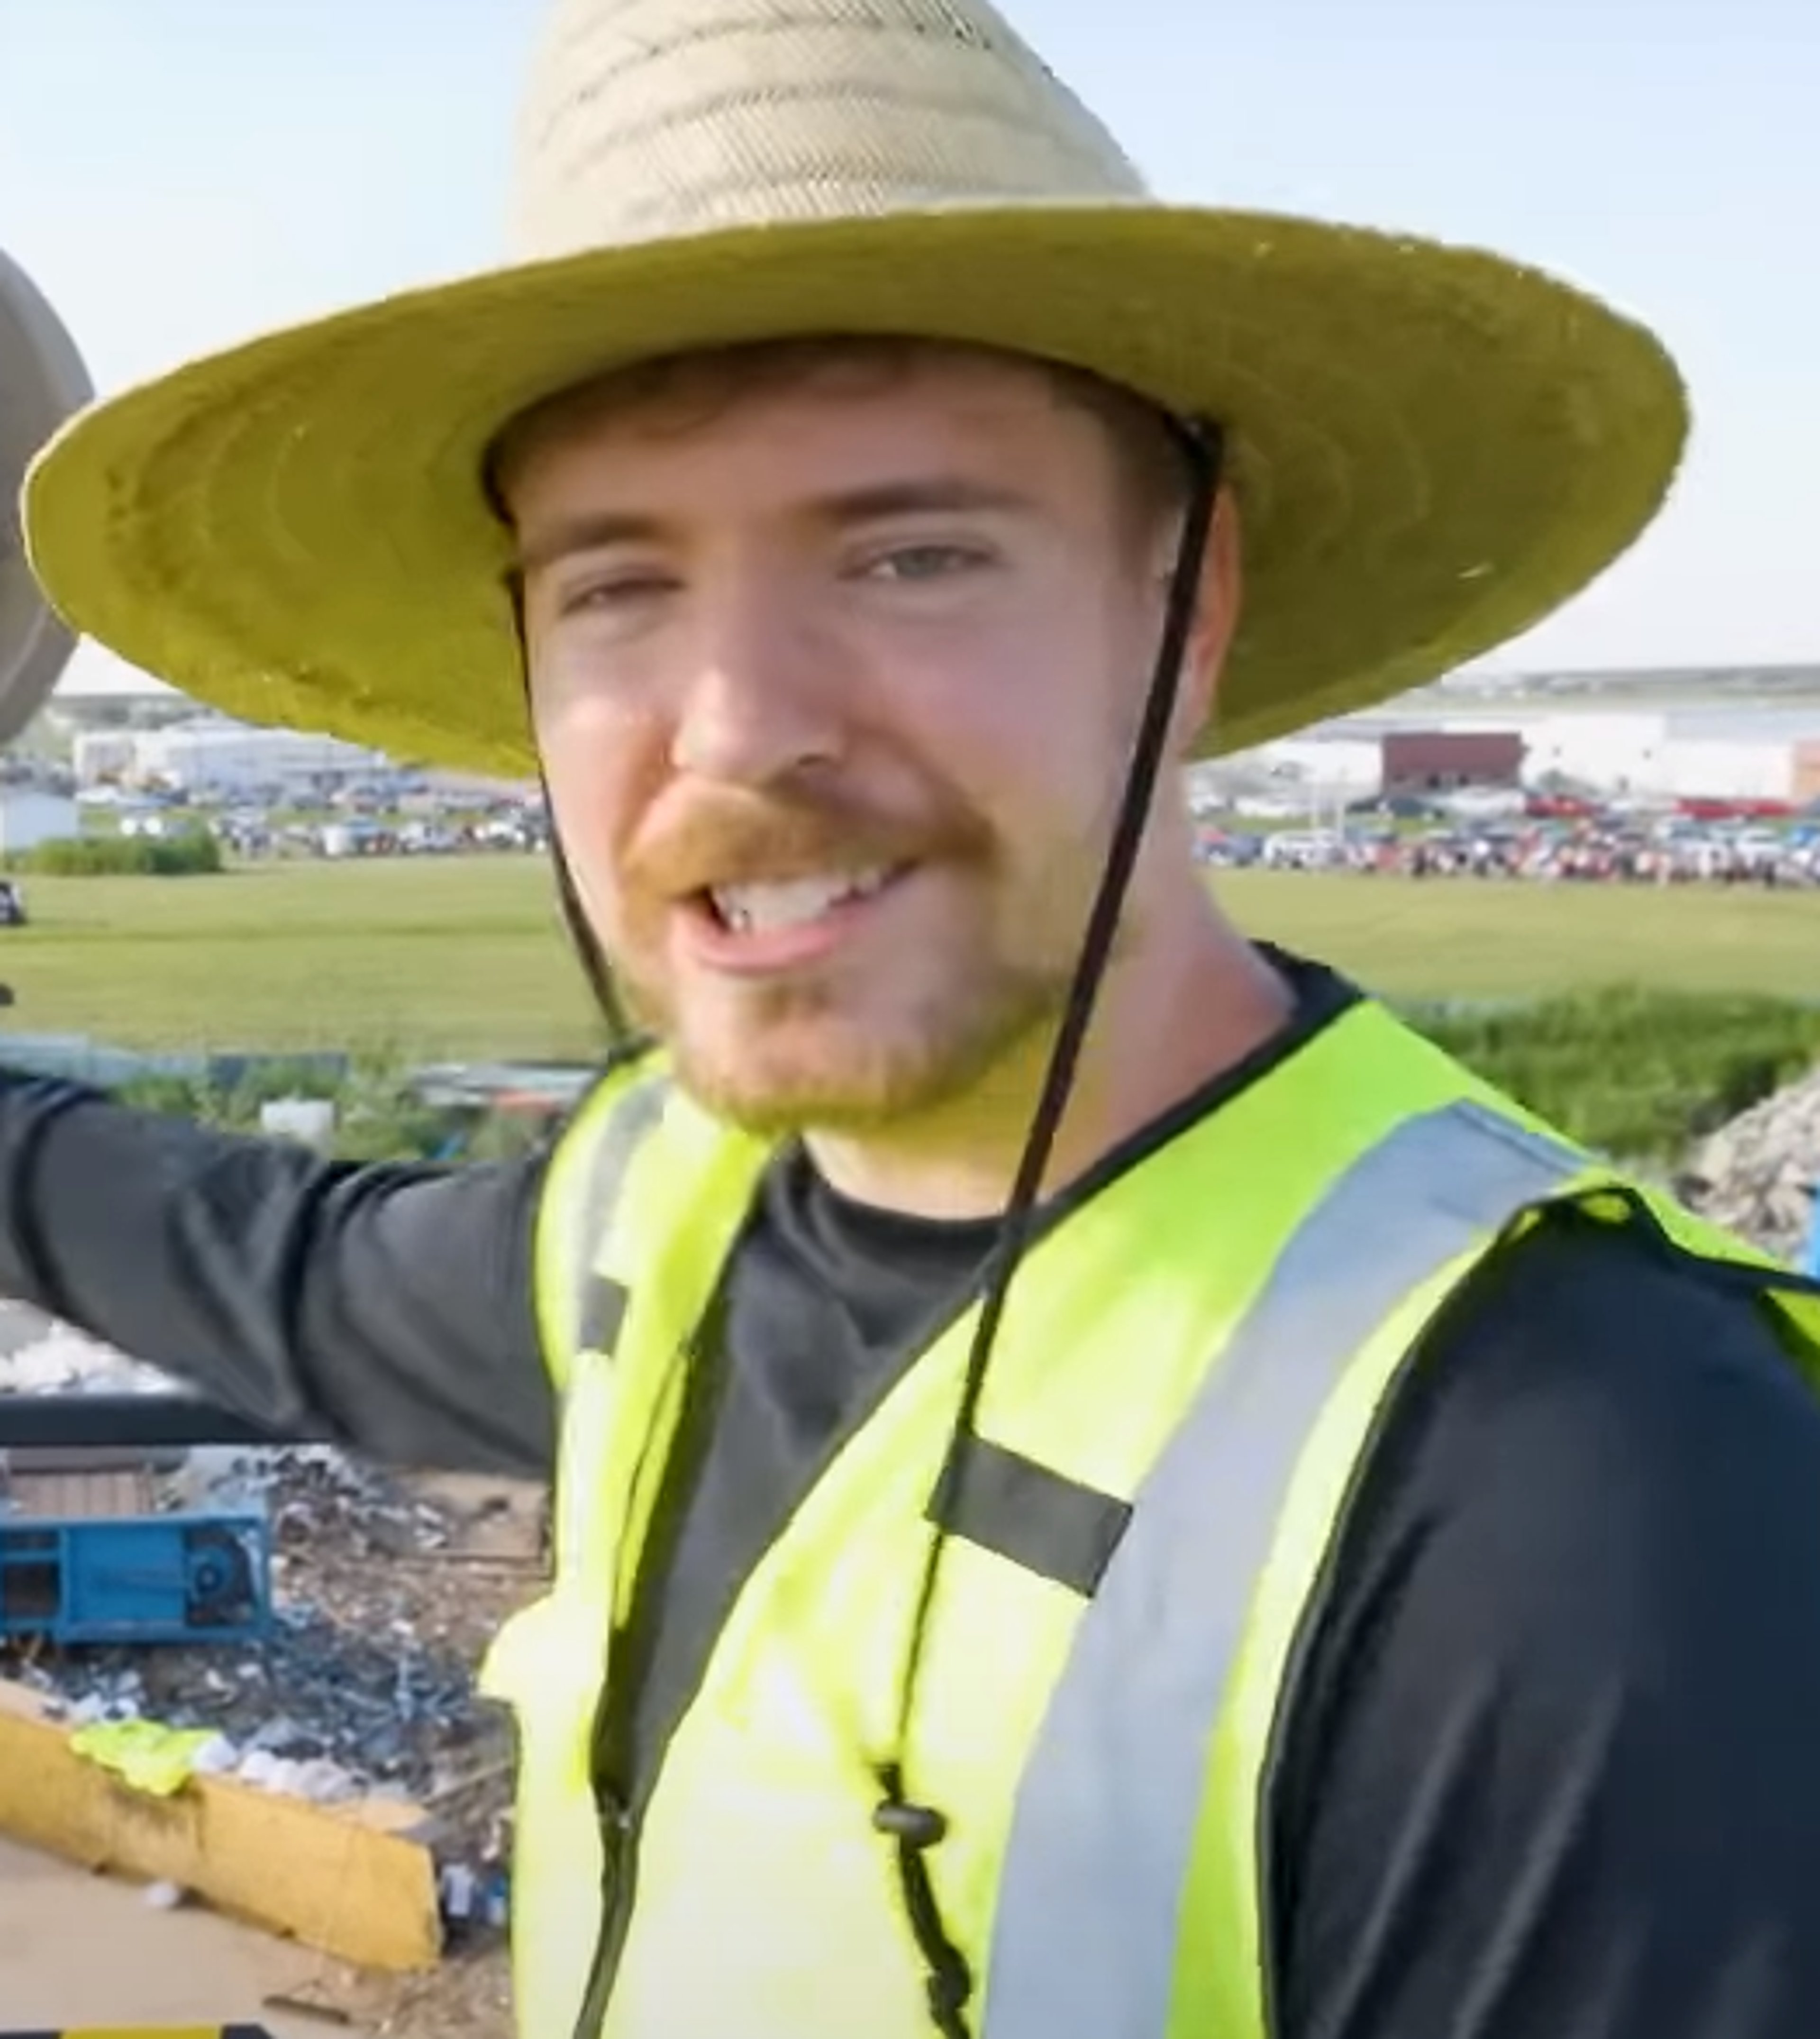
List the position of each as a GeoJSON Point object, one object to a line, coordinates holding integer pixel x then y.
{"type": "Point", "coordinates": [1433, 447]}
{"type": "Point", "coordinates": [42, 381]}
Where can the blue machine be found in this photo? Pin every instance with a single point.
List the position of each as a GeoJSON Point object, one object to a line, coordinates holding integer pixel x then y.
{"type": "Point", "coordinates": [138, 1579]}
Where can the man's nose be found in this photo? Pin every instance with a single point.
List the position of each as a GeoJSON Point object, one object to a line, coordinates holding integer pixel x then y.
{"type": "Point", "coordinates": [762, 700]}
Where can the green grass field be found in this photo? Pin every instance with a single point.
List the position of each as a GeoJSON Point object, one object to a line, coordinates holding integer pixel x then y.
{"type": "Point", "coordinates": [1458, 938]}
{"type": "Point", "coordinates": [423, 958]}
{"type": "Point", "coordinates": [466, 956]}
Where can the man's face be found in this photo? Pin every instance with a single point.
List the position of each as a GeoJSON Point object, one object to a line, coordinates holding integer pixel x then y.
{"type": "Point", "coordinates": [835, 677]}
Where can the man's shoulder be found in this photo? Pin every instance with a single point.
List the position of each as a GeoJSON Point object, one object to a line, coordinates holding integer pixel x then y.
{"type": "Point", "coordinates": [1595, 1423]}
{"type": "Point", "coordinates": [1583, 1307]}
{"type": "Point", "coordinates": [1583, 1340]}
{"type": "Point", "coordinates": [1568, 1652]}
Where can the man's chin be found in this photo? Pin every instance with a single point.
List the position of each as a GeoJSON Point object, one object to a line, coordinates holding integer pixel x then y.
{"type": "Point", "coordinates": [760, 1095]}
{"type": "Point", "coordinates": [824, 1076]}
{"type": "Point", "coordinates": [850, 1061]}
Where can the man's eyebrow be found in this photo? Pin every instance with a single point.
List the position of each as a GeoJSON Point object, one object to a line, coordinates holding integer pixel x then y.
{"type": "Point", "coordinates": [600, 530]}
{"type": "Point", "coordinates": [593, 531]}
{"type": "Point", "coordinates": [903, 499]}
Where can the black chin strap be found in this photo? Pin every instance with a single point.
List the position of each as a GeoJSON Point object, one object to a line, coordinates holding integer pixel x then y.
{"type": "Point", "coordinates": [915, 1829]}
{"type": "Point", "coordinates": [595, 965]}
{"type": "Point", "coordinates": [611, 1006]}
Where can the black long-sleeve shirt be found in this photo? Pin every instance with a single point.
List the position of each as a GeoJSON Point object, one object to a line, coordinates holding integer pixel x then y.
{"type": "Point", "coordinates": [1553, 1770]}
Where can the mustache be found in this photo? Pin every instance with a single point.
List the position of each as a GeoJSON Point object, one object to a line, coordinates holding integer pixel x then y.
{"type": "Point", "coordinates": [734, 837]}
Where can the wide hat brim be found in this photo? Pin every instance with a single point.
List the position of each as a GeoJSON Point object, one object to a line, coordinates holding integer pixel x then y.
{"type": "Point", "coordinates": [1432, 447]}
{"type": "Point", "coordinates": [42, 380]}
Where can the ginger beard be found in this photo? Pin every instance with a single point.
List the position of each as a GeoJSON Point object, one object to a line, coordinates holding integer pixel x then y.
{"type": "Point", "coordinates": [939, 965]}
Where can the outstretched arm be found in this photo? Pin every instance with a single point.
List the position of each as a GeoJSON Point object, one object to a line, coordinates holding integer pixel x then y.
{"type": "Point", "coordinates": [388, 1306]}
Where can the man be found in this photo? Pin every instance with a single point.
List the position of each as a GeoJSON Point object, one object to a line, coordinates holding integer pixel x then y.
{"type": "Point", "coordinates": [1102, 1486]}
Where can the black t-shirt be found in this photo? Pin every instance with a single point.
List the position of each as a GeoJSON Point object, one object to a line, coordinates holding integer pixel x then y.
{"type": "Point", "coordinates": [1553, 1768]}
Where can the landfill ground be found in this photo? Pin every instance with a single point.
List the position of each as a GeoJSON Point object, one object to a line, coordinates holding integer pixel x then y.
{"type": "Point", "coordinates": [88, 1951]}
{"type": "Point", "coordinates": [387, 1589]}
{"type": "Point", "coordinates": [82, 1950]}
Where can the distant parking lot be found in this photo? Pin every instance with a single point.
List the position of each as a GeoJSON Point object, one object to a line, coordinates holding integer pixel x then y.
{"type": "Point", "coordinates": [1537, 841]}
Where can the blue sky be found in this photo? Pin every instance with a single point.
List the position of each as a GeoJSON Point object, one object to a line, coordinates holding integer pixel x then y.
{"type": "Point", "coordinates": [180, 173]}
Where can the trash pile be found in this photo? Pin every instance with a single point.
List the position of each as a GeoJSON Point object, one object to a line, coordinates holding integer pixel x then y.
{"type": "Point", "coordinates": [39, 1357]}
{"type": "Point", "coordinates": [1757, 1174]}
{"type": "Point", "coordinates": [364, 1683]}
{"type": "Point", "coordinates": [387, 1589]}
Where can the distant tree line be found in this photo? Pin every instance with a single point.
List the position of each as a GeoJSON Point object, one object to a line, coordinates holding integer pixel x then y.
{"type": "Point", "coordinates": [192, 853]}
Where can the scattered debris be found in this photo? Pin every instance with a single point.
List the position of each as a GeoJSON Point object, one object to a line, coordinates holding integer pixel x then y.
{"type": "Point", "coordinates": [1757, 1174]}
{"type": "Point", "coordinates": [318, 2014]}
{"type": "Point", "coordinates": [387, 1589]}
{"type": "Point", "coordinates": [366, 1680]}
{"type": "Point", "coordinates": [39, 1357]}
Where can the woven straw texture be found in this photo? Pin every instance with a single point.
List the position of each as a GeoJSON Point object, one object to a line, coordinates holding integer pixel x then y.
{"type": "Point", "coordinates": [1433, 447]}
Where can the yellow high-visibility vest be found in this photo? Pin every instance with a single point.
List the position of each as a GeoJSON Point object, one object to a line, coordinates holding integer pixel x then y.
{"type": "Point", "coordinates": [1189, 1371]}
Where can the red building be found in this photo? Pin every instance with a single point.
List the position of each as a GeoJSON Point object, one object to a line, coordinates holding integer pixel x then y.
{"type": "Point", "coordinates": [1444, 761]}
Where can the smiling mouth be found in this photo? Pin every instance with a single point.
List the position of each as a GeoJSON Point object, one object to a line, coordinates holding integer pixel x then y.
{"type": "Point", "coordinates": [776, 906]}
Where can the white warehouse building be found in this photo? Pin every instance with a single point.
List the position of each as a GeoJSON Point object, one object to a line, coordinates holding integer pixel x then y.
{"type": "Point", "coordinates": [1617, 753]}
{"type": "Point", "coordinates": [1763, 754]}
{"type": "Point", "coordinates": [1766, 754]}
{"type": "Point", "coordinates": [100, 755]}
{"type": "Point", "coordinates": [213, 754]}
{"type": "Point", "coordinates": [1731, 769]}
{"type": "Point", "coordinates": [1345, 761]}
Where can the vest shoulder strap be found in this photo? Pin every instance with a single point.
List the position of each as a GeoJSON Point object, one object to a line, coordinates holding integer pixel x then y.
{"type": "Point", "coordinates": [586, 1173]}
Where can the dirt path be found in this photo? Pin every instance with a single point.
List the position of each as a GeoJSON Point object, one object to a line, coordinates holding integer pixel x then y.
{"type": "Point", "coordinates": [79, 1949]}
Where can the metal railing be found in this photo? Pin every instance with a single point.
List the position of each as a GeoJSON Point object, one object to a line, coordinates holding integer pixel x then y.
{"type": "Point", "coordinates": [145, 1423]}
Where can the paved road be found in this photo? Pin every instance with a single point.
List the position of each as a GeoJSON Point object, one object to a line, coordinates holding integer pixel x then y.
{"type": "Point", "coordinates": [77, 1949]}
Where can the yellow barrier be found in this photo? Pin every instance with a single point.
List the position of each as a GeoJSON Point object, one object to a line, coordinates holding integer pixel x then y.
{"type": "Point", "coordinates": [145, 2032]}
{"type": "Point", "coordinates": [357, 1882]}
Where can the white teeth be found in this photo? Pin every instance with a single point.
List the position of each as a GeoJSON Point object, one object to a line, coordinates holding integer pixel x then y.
{"type": "Point", "coordinates": [751, 910]}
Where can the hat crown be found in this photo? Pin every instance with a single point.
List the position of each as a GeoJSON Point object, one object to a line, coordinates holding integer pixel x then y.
{"type": "Point", "coordinates": [645, 119]}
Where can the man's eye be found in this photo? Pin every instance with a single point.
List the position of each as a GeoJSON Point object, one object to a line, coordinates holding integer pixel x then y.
{"type": "Point", "coordinates": [925, 562]}
{"type": "Point", "coordinates": [619, 592]}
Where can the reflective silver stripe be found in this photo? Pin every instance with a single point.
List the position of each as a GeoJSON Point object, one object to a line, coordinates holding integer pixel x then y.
{"type": "Point", "coordinates": [1102, 1832]}
{"type": "Point", "coordinates": [636, 1115]}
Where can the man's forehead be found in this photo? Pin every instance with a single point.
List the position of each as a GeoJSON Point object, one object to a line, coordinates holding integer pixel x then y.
{"type": "Point", "coordinates": [685, 396]}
